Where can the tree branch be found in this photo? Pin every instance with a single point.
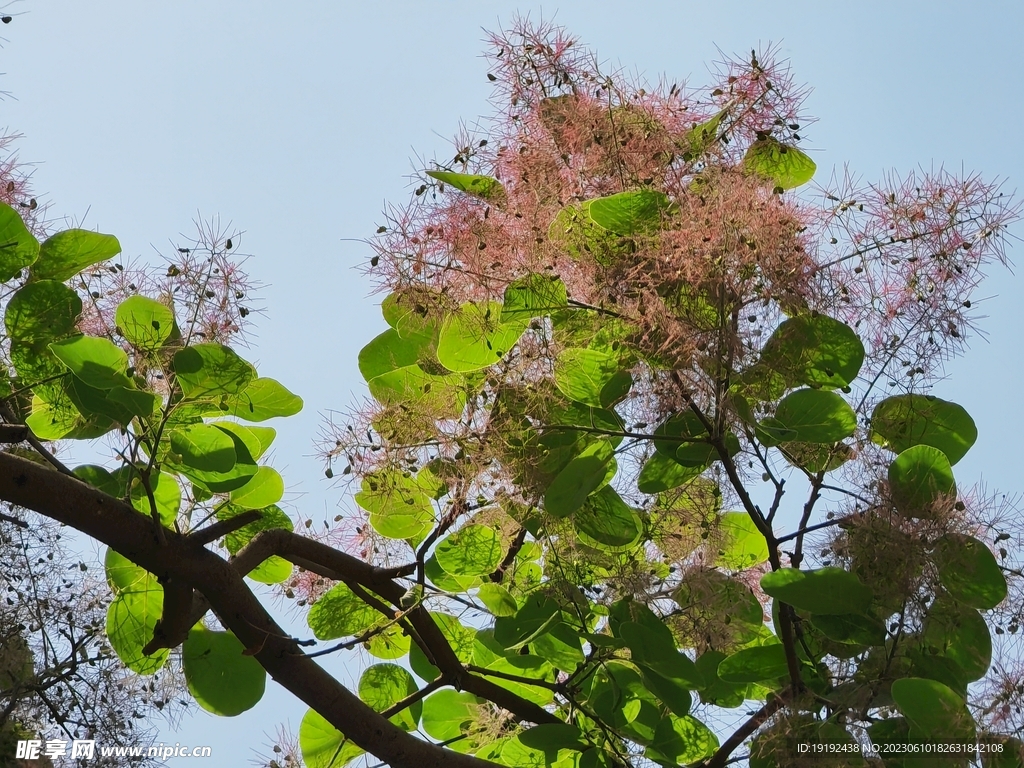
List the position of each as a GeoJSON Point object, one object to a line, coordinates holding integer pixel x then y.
{"type": "Point", "coordinates": [116, 524]}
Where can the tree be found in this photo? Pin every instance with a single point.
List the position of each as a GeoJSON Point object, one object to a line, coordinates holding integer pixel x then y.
{"type": "Point", "coordinates": [619, 347]}
{"type": "Point", "coordinates": [59, 679]}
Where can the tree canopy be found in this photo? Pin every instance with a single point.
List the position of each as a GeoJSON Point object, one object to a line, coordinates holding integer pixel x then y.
{"type": "Point", "coordinates": [655, 467]}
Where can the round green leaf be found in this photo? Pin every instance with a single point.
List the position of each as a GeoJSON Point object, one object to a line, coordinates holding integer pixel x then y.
{"type": "Point", "coordinates": [591, 376]}
{"type": "Point", "coordinates": [918, 478]}
{"type": "Point", "coordinates": [144, 322]}
{"type": "Point", "coordinates": [753, 665]}
{"type": "Point", "coordinates": [382, 685]}
{"type": "Point", "coordinates": [959, 633]}
{"type": "Point", "coordinates": [399, 508]}
{"type": "Point", "coordinates": [741, 545]}
{"type": "Point", "coordinates": [125, 576]}
{"type": "Point", "coordinates": [339, 613]}
{"type": "Point", "coordinates": [221, 677]}
{"type": "Point", "coordinates": [322, 745]}
{"type": "Point", "coordinates": [18, 248]}
{"type": "Point", "coordinates": [202, 446]}
{"type": "Point", "coordinates": [681, 741]}
{"type": "Point", "coordinates": [607, 519]}
{"type": "Point", "coordinates": [387, 352]}
{"type": "Point", "coordinates": [786, 166]}
{"type": "Point", "coordinates": [582, 476]}
{"type": "Point", "coordinates": [69, 252]}
{"type": "Point", "coordinates": [471, 551]}
{"type": "Point", "coordinates": [264, 488]}
{"type": "Point", "coordinates": [446, 711]}
{"type": "Point", "coordinates": [256, 439]}
{"type": "Point", "coordinates": [814, 350]}
{"type": "Point", "coordinates": [131, 619]}
{"type": "Point", "coordinates": [662, 473]}
{"type": "Point", "coordinates": [851, 628]}
{"type": "Point", "coordinates": [817, 416]}
{"type": "Point", "coordinates": [903, 421]}
{"type": "Point", "coordinates": [630, 213]}
{"type": "Point", "coordinates": [499, 601]}
{"type": "Point", "coordinates": [933, 710]}
{"type": "Point", "coordinates": [969, 571]}
{"type": "Point", "coordinates": [98, 362]}
{"type": "Point", "coordinates": [826, 591]}
{"type": "Point", "coordinates": [533, 296]}
{"type": "Point", "coordinates": [263, 399]}
{"type": "Point", "coordinates": [473, 337]}
{"type": "Point", "coordinates": [42, 311]}
{"type": "Point", "coordinates": [485, 187]}
{"type": "Point", "coordinates": [208, 370]}
{"type": "Point", "coordinates": [166, 494]}
{"type": "Point", "coordinates": [391, 643]}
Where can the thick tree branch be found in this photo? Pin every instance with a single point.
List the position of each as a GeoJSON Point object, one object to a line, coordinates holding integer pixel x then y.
{"type": "Point", "coordinates": [721, 757]}
{"type": "Point", "coordinates": [121, 527]}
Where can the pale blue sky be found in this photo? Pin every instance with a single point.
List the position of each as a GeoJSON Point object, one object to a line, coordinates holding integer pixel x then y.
{"type": "Point", "coordinates": [297, 121]}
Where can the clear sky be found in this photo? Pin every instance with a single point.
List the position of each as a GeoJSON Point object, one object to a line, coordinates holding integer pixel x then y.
{"type": "Point", "coordinates": [297, 121]}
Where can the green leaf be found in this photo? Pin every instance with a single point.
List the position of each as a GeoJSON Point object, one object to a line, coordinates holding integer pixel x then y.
{"type": "Point", "coordinates": [969, 571]}
{"type": "Point", "coordinates": [67, 253]}
{"type": "Point", "coordinates": [591, 376]}
{"type": "Point", "coordinates": [715, 690]}
{"type": "Point", "coordinates": [166, 494]}
{"type": "Point", "coordinates": [387, 352]}
{"type": "Point", "coordinates": [608, 520]}
{"type": "Point", "coordinates": [499, 601]}
{"type": "Point", "coordinates": [742, 545]}
{"type": "Point", "coordinates": [753, 665]}
{"type": "Point", "coordinates": [382, 685]}
{"type": "Point", "coordinates": [445, 581]}
{"type": "Point", "coordinates": [390, 643]}
{"type": "Point", "coordinates": [322, 745]}
{"type": "Point", "coordinates": [484, 187]}
{"type": "Point", "coordinates": [473, 338]}
{"type": "Point", "coordinates": [204, 447]}
{"type": "Point", "coordinates": [18, 248]}
{"type": "Point", "coordinates": [662, 473]}
{"type": "Point", "coordinates": [817, 416]}
{"type": "Point", "coordinates": [264, 398]}
{"type": "Point", "coordinates": [471, 551]}
{"type": "Point", "coordinates": [903, 421]}
{"type": "Point", "coordinates": [42, 311]}
{"type": "Point", "coordinates": [220, 676]}
{"type": "Point", "coordinates": [264, 488]}
{"type": "Point", "coordinates": [225, 482]}
{"type": "Point", "coordinates": [256, 439]}
{"type": "Point", "coordinates": [125, 576]}
{"type": "Point", "coordinates": [681, 741]}
{"type": "Point", "coordinates": [702, 136]}
{"type": "Point", "coordinates": [409, 312]}
{"type": "Point", "coordinates": [786, 166]}
{"type": "Point", "coordinates": [959, 633]}
{"type": "Point", "coordinates": [814, 350]}
{"type": "Point", "coordinates": [274, 569]}
{"type": "Point", "coordinates": [112, 484]}
{"type": "Point", "coordinates": [131, 619]}
{"type": "Point", "coordinates": [446, 711]}
{"type": "Point", "coordinates": [630, 213]}
{"type": "Point", "coordinates": [52, 421]}
{"type": "Point", "coordinates": [533, 296]}
{"type": "Point", "coordinates": [919, 477]}
{"type": "Point", "coordinates": [339, 613]}
{"type": "Point", "coordinates": [933, 710]}
{"type": "Point", "coordinates": [442, 395]}
{"type": "Point", "coordinates": [826, 591]}
{"type": "Point", "coordinates": [208, 370]}
{"type": "Point", "coordinates": [98, 362]}
{"type": "Point", "coordinates": [399, 508]}
{"type": "Point", "coordinates": [145, 323]}
{"type": "Point", "coordinates": [852, 628]}
{"type": "Point", "coordinates": [552, 737]}
{"type": "Point", "coordinates": [582, 476]}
